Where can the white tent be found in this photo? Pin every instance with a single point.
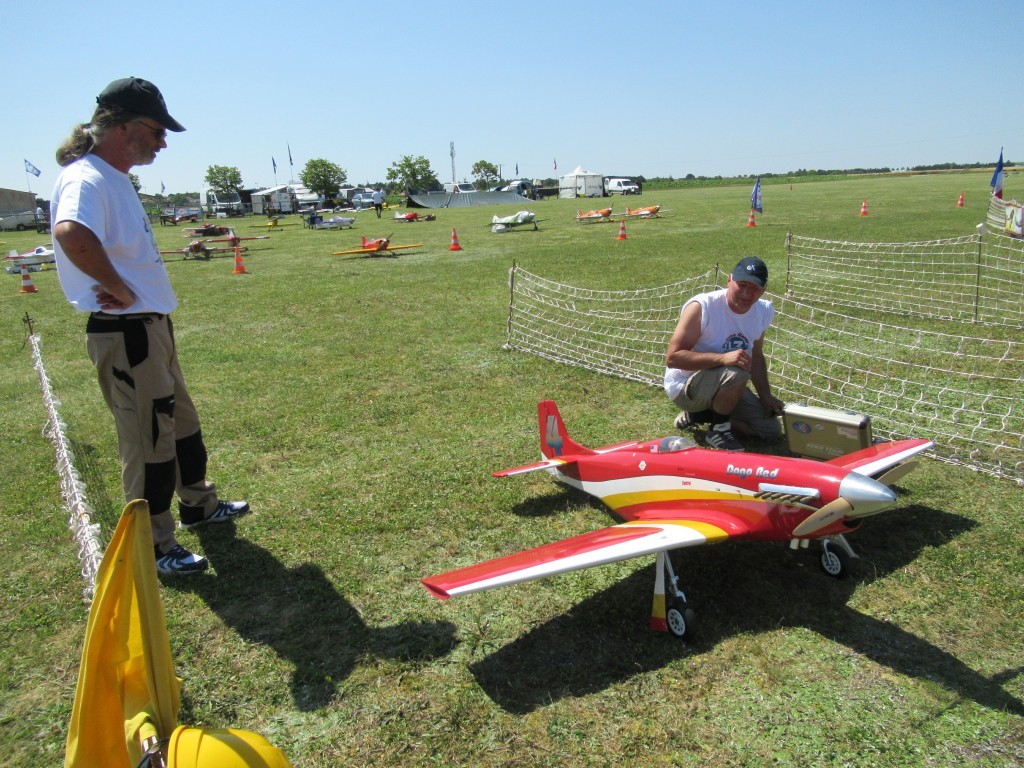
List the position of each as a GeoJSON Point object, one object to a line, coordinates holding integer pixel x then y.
{"type": "Point", "coordinates": [581, 183]}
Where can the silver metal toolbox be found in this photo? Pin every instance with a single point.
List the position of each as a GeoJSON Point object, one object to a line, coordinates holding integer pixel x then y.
{"type": "Point", "coordinates": [824, 433]}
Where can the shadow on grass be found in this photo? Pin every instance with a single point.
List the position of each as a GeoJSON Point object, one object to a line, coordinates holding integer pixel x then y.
{"type": "Point", "coordinates": [300, 615]}
{"type": "Point", "coordinates": [737, 588]}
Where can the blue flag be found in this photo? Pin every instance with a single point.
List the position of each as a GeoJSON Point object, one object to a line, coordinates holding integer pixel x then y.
{"type": "Point", "coordinates": [517, 169]}
{"type": "Point", "coordinates": [275, 164]}
{"type": "Point", "coordinates": [29, 168]}
{"type": "Point", "coordinates": [290, 155]}
{"type": "Point", "coordinates": [755, 197]}
{"type": "Point", "coordinates": [997, 177]}
{"type": "Point", "coordinates": [162, 188]}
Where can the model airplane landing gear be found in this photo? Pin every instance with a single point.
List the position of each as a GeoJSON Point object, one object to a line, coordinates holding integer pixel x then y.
{"type": "Point", "coordinates": [835, 556]}
{"type": "Point", "coordinates": [673, 615]}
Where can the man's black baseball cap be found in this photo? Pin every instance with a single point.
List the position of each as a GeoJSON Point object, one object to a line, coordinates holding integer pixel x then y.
{"type": "Point", "coordinates": [752, 270]}
{"type": "Point", "coordinates": [140, 97]}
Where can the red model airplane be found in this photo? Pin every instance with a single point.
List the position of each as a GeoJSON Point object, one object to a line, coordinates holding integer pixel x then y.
{"type": "Point", "coordinates": [197, 249]}
{"type": "Point", "coordinates": [645, 212]}
{"type": "Point", "coordinates": [602, 214]}
{"type": "Point", "coordinates": [412, 216]}
{"type": "Point", "coordinates": [377, 246]}
{"type": "Point", "coordinates": [205, 230]}
{"type": "Point", "coordinates": [234, 240]}
{"type": "Point", "coordinates": [672, 494]}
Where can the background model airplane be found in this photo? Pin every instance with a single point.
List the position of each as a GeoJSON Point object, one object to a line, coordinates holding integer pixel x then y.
{"type": "Point", "coordinates": [602, 214]}
{"type": "Point", "coordinates": [508, 223]}
{"type": "Point", "coordinates": [646, 212]}
{"type": "Point", "coordinates": [412, 216]}
{"type": "Point", "coordinates": [274, 222]}
{"type": "Point", "coordinates": [378, 246]}
{"type": "Point", "coordinates": [41, 254]}
{"type": "Point", "coordinates": [335, 222]}
{"type": "Point", "coordinates": [205, 230]}
{"type": "Point", "coordinates": [197, 249]}
{"type": "Point", "coordinates": [672, 494]}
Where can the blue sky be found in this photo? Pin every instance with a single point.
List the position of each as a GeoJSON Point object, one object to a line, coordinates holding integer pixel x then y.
{"type": "Point", "coordinates": [651, 88]}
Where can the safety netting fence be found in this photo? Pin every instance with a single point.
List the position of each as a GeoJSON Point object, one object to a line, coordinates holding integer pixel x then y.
{"type": "Point", "coordinates": [976, 278]}
{"type": "Point", "coordinates": [80, 515]}
{"type": "Point", "coordinates": [962, 390]}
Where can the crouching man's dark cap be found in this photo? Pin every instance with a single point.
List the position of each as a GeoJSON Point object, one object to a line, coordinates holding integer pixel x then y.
{"type": "Point", "coordinates": [140, 97]}
{"type": "Point", "coordinates": [752, 270]}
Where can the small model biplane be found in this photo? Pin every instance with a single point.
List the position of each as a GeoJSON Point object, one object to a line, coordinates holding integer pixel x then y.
{"type": "Point", "coordinates": [274, 222]}
{"type": "Point", "coordinates": [646, 212]}
{"type": "Point", "coordinates": [198, 249]}
{"type": "Point", "coordinates": [33, 260]}
{"type": "Point", "coordinates": [412, 216]}
{"type": "Point", "coordinates": [602, 214]}
{"type": "Point", "coordinates": [501, 224]}
{"type": "Point", "coordinates": [335, 222]}
{"type": "Point", "coordinates": [672, 494]}
{"type": "Point", "coordinates": [379, 246]}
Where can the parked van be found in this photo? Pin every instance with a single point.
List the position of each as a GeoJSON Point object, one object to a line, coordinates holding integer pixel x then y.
{"type": "Point", "coordinates": [621, 187]}
{"type": "Point", "coordinates": [462, 186]}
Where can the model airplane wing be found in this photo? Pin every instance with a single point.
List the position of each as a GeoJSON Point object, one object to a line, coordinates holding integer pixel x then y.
{"type": "Point", "coordinates": [608, 545]}
{"type": "Point", "coordinates": [874, 460]}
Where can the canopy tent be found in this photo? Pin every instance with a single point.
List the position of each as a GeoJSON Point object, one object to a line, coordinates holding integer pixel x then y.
{"type": "Point", "coordinates": [581, 183]}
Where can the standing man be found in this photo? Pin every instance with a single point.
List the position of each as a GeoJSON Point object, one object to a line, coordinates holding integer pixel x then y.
{"type": "Point", "coordinates": [378, 200]}
{"type": "Point", "coordinates": [717, 347]}
{"type": "Point", "coordinates": [110, 267]}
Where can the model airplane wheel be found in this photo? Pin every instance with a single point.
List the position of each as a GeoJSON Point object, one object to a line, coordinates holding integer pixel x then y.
{"type": "Point", "coordinates": [680, 620]}
{"type": "Point", "coordinates": [834, 561]}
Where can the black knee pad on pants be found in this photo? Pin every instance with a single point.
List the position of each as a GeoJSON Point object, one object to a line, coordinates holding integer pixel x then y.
{"type": "Point", "coordinates": [191, 458]}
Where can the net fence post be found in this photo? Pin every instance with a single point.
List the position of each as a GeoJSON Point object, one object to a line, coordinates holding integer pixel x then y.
{"type": "Point", "coordinates": [511, 304]}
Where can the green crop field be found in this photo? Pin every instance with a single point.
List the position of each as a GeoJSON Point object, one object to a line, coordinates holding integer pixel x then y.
{"type": "Point", "coordinates": [360, 404]}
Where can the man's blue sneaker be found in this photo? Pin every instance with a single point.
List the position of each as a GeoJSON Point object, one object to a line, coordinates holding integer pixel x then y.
{"type": "Point", "coordinates": [224, 512]}
{"type": "Point", "coordinates": [179, 562]}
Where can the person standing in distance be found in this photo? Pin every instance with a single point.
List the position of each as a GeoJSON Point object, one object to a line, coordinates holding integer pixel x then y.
{"type": "Point", "coordinates": [109, 266]}
{"type": "Point", "coordinates": [378, 200]}
{"type": "Point", "coordinates": [715, 350]}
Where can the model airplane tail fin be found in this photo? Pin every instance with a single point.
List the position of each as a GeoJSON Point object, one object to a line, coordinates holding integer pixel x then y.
{"type": "Point", "coordinates": [362, 238]}
{"type": "Point", "coordinates": [554, 438]}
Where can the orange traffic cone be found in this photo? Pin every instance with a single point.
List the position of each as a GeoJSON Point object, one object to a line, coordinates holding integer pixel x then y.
{"type": "Point", "coordinates": [455, 242]}
{"type": "Point", "coordinates": [750, 219]}
{"type": "Point", "coordinates": [239, 264]}
{"type": "Point", "coordinates": [864, 208]}
{"type": "Point", "coordinates": [622, 230]}
{"type": "Point", "coordinates": [960, 202]}
{"type": "Point", "coordinates": [27, 286]}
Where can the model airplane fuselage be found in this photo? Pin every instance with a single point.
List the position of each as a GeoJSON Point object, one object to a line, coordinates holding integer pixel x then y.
{"type": "Point", "coordinates": [602, 214]}
{"type": "Point", "coordinates": [672, 494]}
{"type": "Point", "coordinates": [646, 212]}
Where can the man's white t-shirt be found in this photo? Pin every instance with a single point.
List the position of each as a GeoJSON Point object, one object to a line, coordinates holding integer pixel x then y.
{"type": "Point", "coordinates": [721, 330]}
{"type": "Point", "coordinates": [93, 193]}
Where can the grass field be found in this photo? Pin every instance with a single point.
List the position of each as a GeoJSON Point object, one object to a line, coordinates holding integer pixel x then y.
{"type": "Point", "coordinates": [360, 404]}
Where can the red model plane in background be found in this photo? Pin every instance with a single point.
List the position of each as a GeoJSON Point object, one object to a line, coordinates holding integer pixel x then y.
{"type": "Point", "coordinates": [672, 494]}
{"type": "Point", "coordinates": [602, 214]}
{"type": "Point", "coordinates": [645, 212]}
{"type": "Point", "coordinates": [378, 246]}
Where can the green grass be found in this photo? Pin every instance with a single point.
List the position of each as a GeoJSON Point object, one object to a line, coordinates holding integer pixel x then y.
{"type": "Point", "coordinates": [360, 404]}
